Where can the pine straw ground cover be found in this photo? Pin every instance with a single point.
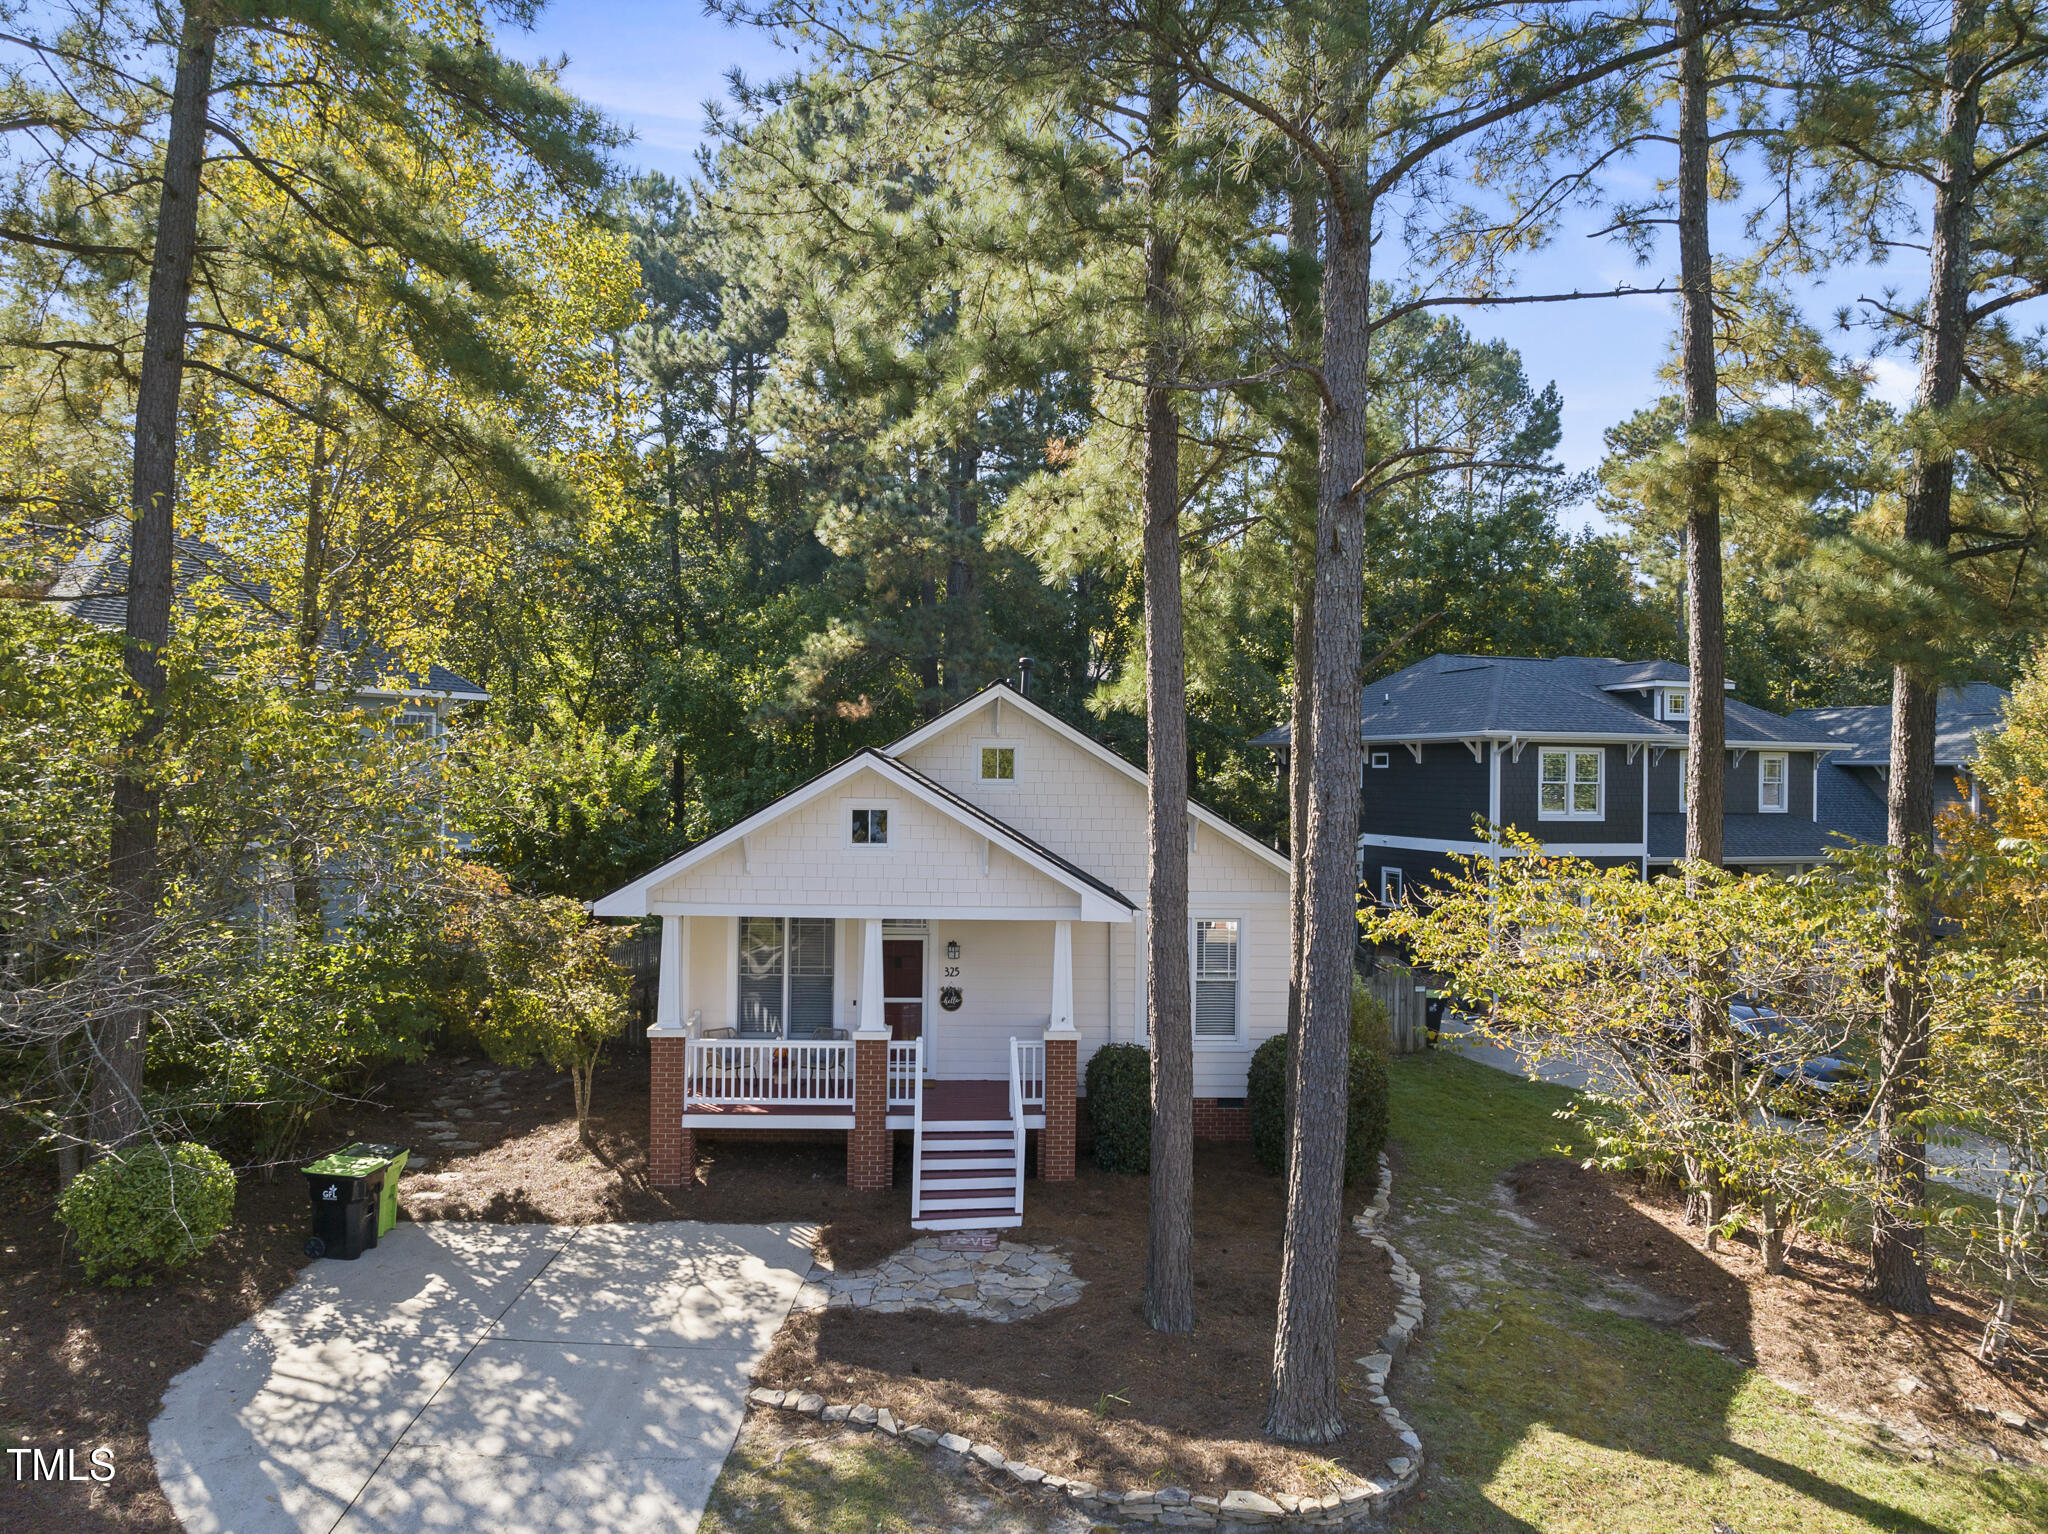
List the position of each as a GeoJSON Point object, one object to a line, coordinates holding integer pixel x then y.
{"type": "Point", "coordinates": [1089, 1391]}
{"type": "Point", "coordinates": [1564, 1384]}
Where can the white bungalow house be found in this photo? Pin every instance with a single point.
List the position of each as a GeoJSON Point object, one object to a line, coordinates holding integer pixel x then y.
{"type": "Point", "coordinates": [933, 938]}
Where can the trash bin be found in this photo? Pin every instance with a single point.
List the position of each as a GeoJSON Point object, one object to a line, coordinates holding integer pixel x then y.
{"type": "Point", "coordinates": [350, 1191]}
{"type": "Point", "coordinates": [1435, 1014]}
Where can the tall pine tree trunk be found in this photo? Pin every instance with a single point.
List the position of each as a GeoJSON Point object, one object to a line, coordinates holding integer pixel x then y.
{"type": "Point", "coordinates": [1305, 1407]}
{"type": "Point", "coordinates": [1706, 736]}
{"type": "Point", "coordinates": [1169, 1272]}
{"type": "Point", "coordinates": [1303, 221]}
{"type": "Point", "coordinates": [120, 1037]}
{"type": "Point", "coordinates": [1898, 1270]}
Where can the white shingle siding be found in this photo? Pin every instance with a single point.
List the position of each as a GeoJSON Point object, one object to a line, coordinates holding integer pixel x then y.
{"type": "Point", "coordinates": [1094, 815]}
{"type": "Point", "coordinates": [931, 864]}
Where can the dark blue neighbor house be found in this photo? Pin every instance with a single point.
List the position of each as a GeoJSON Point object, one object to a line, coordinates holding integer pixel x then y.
{"type": "Point", "coordinates": [1588, 756]}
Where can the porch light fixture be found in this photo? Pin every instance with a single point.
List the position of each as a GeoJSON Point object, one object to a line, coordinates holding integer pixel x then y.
{"type": "Point", "coordinates": [953, 949]}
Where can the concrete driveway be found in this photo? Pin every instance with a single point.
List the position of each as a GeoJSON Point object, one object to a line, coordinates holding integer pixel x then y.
{"type": "Point", "coordinates": [501, 1378]}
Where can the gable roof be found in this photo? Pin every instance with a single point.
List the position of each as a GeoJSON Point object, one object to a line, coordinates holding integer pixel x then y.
{"type": "Point", "coordinates": [1864, 732]}
{"type": "Point", "coordinates": [1102, 901]}
{"type": "Point", "coordinates": [1009, 697]}
{"type": "Point", "coordinates": [93, 587]}
{"type": "Point", "coordinates": [1515, 697]}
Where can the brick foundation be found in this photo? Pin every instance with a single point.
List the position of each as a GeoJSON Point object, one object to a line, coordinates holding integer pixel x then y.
{"type": "Point", "coordinates": [1056, 1144]}
{"type": "Point", "coordinates": [870, 1148]}
{"type": "Point", "coordinates": [1217, 1123]}
{"type": "Point", "coordinates": [671, 1151]}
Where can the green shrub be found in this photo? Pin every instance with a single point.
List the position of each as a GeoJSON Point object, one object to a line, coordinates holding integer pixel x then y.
{"type": "Point", "coordinates": [1120, 1107]}
{"type": "Point", "coordinates": [1265, 1097]}
{"type": "Point", "coordinates": [147, 1211]}
{"type": "Point", "coordinates": [1365, 1126]}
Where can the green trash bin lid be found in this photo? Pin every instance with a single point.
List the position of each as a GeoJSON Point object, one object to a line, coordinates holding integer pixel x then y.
{"type": "Point", "coordinates": [355, 1161]}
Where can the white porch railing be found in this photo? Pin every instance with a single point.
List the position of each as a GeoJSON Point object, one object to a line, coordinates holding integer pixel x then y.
{"type": "Point", "coordinates": [906, 1071]}
{"type": "Point", "coordinates": [1027, 1069]}
{"type": "Point", "coordinates": [1022, 1066]}
{"type": "Point", "coordinates": [770, 1073]}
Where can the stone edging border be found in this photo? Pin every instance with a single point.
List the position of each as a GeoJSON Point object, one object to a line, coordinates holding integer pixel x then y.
{"type": "Point", "coordinates": [1366, 1501]}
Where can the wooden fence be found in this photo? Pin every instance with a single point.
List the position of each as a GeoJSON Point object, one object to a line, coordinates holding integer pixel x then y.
{"type": "Point", "coordinates": [1405, 996]}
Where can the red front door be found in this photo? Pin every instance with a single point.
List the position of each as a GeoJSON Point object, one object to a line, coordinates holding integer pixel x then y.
{"type": "Point", "coordinates": [903, 987]}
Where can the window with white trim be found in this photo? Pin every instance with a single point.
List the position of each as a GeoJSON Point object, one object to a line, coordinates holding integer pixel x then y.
{"type": "Point", "coordinates": [998, 764]}
{"type": "Point", "coordinates": [785, 976]}
{"type": "Point", "coordinates": [869, 826]}
{"type": "Point", "coordinates": [1773, 785]}
{"type": "Point", "coordinates": [1677, 703]}
{"type": "Point", "coordinates": [1216, 978]}
{"type": "Point", "coordinates": [1381, 758]}
{"type": "Point", "coordinates": [1393, 886]}
{"type": "Point", "coordinates": [1568, 784]}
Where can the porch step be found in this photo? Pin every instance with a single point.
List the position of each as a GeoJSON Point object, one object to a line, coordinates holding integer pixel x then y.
{"type": "Point", "coordinates": [968, 1161]}
{"type": "Point", "coordinates": [987, 1219]}
{"type": "Point", "coordinates": [970, 1144]}
{"type": "Point", "coordinates": [934, 1126]}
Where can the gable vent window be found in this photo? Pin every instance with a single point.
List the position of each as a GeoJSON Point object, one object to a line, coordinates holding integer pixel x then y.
{"type": "Point", "coordinates": [1771, 790]}
{"type": "Point", "coordinates": [870, 827]}
{"type": "Point", "coordinates": [1216, 975]}
{"type": "Point", "coordinates": [998, 764]}
{"type": "Point", "coordinates": [1568, 787]}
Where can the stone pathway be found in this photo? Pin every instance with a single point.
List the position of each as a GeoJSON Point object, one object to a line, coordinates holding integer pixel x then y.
{"type": "Point", "coordinates": [484, 1098]}
{"type": "Point", "coordinates": [1013, 1281]}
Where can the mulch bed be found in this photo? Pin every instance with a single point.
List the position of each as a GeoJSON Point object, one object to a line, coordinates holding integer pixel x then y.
{"type": "Point", "coordinates": [82, 1367]}
{"type": "Point", "coordinates": [1809, 1328]}
{"type": "Point", "coordinates": [1089, 1391]}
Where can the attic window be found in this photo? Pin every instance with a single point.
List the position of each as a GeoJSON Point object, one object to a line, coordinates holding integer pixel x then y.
{"type": "Point", "coordinates": [998, 764]}
{"type": "Point", "coordinates": [870, 827]}
{"type": "Point", "coordinates": [1675, 704]}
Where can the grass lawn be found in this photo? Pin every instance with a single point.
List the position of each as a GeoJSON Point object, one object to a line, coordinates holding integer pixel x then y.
{"type": "Point", "coordinates": [1540, 1413]}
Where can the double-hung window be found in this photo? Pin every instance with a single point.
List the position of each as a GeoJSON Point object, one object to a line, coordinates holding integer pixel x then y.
{"type": "Point", "coordinates": [1216, 979]}
{"type": "Point", "coordinates": [785, 976]}
{"type": "Point", "coordinates": [1772, 791]}
{"type": "Point", "coordinates": [1568, 784]}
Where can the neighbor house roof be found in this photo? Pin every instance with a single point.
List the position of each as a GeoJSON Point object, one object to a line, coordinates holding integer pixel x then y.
{"type": "Point", "coordinates": [1513, 697]}
{"type": "Point", "coordinates": [93, 586]}
{"type": "Point", "coordinates": [1755, 838]}
{"type": "Point", "coordinates": [1864, 733]}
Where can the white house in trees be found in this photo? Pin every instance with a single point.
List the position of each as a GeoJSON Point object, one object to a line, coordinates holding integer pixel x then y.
{"type": "Point", "coordinates": [932, 939]}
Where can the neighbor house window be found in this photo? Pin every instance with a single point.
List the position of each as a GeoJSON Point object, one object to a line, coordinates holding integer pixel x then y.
{"type": "Point", "coordinates": [1216, 979]}
{"type": "Point", "coordinates": [998, 764]}
{"type": "Point", "coordinates": [1772, 796]}
{"type": "Point", "coordinates": [1674, 705]}
{"type": "Point", "coordinates": [1380, 758]}
{"type": "Point", "coordinates": [785, 976]}
{"type": "Point", "coordinates": [1392, 886]}
{"type": "Point", "coordinates": [1568, 787]}
{"type": "Point", "coordinates": [870, 827]}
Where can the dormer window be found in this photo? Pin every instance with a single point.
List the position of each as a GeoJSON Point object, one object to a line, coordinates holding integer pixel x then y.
{"type": "Point", "coordinates": [1676, 703]}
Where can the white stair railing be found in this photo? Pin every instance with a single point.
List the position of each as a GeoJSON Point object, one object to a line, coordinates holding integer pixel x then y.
{"type": "Point", "coordinates": [1017, 1053]}
{"type": "Point", "coordinates": [916, 1136]}
{"type": "Point", "coordinates": [1029, 1068]}
{"type": "Point", "coordinates": [906, 1072]}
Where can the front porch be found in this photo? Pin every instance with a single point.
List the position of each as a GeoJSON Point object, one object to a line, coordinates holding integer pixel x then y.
{"type": "Point", "coordinates": [781, 1066]}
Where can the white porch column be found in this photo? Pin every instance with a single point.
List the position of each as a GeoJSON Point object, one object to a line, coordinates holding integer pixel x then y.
{"type": "Point", "coordinates": [1062, 1014]}
{"type": "Point", "coordinates": [668, 995]}
{"type": "Point", "coordinates": [871, 1015]}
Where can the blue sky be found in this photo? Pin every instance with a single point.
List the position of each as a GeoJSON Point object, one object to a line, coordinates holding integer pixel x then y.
{"type": "Point", "coordinates": [653, 66]}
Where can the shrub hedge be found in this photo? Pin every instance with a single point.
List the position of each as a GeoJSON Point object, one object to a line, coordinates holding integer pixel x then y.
{"type": "Point", "coordinates": [147, 1211]}
{"type": "Point", "coordinates": [1120, 1107]}
{"type": "Point", "coordinates": [1365, 1126]}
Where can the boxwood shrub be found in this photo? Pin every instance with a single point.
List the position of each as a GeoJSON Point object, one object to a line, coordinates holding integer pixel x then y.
{"type": "Point", "coordinates": [147, 1211]}
{"type": "Point", "coordinates": [1120, 1107]}
{"type": "Point", "coordinates": [1365, 1127]}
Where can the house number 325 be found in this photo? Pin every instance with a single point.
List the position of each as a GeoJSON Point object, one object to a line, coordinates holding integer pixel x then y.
{"type": "Point", "coordinates": [952, 972]}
